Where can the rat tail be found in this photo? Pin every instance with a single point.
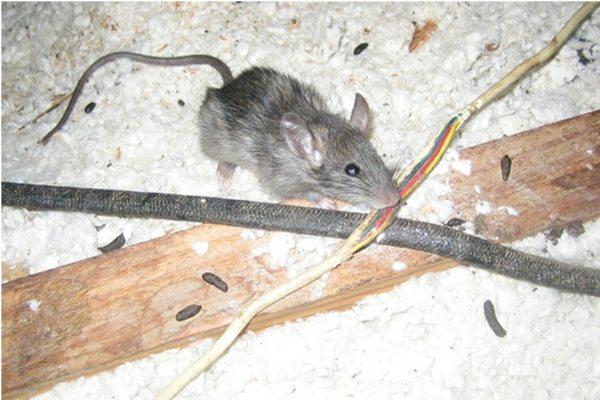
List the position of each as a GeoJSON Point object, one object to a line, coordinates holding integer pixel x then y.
{"type": "Point", "coordinates": [195, 59]}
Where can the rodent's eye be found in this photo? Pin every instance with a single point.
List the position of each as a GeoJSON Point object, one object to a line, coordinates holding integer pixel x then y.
{"type": "Point", "coordinates": [352, 169]}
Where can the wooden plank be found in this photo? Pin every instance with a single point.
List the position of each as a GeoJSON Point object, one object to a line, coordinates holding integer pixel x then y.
{"type": "Point", "coordinates": [109, 309]}
{"type": "Point", "coordinates": [554, 179]}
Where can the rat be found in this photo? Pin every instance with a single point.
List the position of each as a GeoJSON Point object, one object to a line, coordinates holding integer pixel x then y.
{"type": "Point", "coordinates": [281, 130]}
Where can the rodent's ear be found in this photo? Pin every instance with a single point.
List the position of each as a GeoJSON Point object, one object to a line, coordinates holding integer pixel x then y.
{"type": "Point", "coordinates": [360, 114]}
{"type": "Point", "coordinates": [301, 140]}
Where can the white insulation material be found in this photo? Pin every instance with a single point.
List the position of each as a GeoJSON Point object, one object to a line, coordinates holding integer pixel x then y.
{"type": "Point", "coordinates": [425, 339]}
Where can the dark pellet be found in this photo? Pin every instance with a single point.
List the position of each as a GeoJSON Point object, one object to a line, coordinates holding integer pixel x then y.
{"type": "Point", "coordinates": [188, 312]}
{"type": "Point", "coordinates": [575, 228]}
{"type": "Point", "coordinates": [490, 316]}
{"type": "Point", "coordinates": [114, 245]}
{"type": "Point", "coordinates": [455, 222]}
{"type": "Point", "coordinates": [214, 280]}
{"type": "Point", "coordinates": [583, 60]}
{"type": "Point", "coordinates": [554, 234]}
{"type": "Point", "coordinates": [90, 107]}
{"type": "Point", "coordinates": [181, 102]}
{"type": "Point", "coordinates": [505, 164]}
{"type": "Point", "coordinates": [360, 48]}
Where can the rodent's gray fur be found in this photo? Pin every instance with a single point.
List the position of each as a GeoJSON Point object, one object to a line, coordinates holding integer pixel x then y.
{"type": "Point", "coordinates": [242, 124]}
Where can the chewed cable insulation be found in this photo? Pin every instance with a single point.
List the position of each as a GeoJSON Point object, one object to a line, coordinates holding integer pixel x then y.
{"type": "Point", "coordinates": [411, 177]}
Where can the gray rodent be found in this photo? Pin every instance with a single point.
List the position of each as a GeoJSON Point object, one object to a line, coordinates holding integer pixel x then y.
{"type": "Point", "coordinates": [281, 130]}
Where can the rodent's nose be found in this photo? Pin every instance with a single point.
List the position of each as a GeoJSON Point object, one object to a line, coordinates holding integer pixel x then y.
{"type": "Point", "coordinates": [392, 198]}
{"type": "Point", "coordinates": [389, 198]}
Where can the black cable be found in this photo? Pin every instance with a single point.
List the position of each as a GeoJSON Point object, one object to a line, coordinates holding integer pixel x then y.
{"type": "Point", "coordinates": [415, 235]}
